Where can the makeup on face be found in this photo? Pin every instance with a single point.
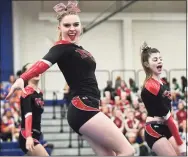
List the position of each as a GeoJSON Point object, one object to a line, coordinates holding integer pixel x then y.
{"type": "Point", "coordinates": [156, 63]}
{"type": "Point", "coordinates": [70, 27]}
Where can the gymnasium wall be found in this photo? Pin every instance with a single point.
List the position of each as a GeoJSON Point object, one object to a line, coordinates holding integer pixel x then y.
{"type": "Point", "coordinates": [115, 44]}
{"type": "Point", "coordinates": [6, 48]}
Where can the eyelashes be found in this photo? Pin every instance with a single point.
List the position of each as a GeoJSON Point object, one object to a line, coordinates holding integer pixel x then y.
{"type": "Point", "coordinates": [155, 59]}
{"type": "Point", "coordinates": [67, 25]}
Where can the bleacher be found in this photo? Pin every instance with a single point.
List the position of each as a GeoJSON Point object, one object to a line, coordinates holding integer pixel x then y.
{"type": "Point", "coordinates": [13, 149]}
{"type": "Point", "coordinates": [64, 140]}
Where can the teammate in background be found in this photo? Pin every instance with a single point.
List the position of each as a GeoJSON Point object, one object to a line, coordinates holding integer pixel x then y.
{"type": "Point", "coordinates": [31, 109]}
{"type": "Point", "coordinates": [161, 133]}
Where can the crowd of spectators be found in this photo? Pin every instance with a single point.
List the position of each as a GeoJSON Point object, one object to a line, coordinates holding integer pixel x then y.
{"type": "Point", "coordinates": [121, 103]}
{"type": "Point", "coordinates": [10, 119]}
{"type": "Point", "coordinates": [10, 112]}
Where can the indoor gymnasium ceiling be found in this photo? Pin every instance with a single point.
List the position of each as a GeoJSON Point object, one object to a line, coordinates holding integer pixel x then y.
{"type": "Point", "coordinates": [139, 6]}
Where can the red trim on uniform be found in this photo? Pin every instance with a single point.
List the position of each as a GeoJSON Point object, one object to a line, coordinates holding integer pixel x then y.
{"type": "Point", "coordinates": [152, 86]}
{"type": "Point", "coordinates": [29, 90]}
{"type": "Point", "coordinates": [38, 68]}
{"type": "Point", "coordinates": [28, 126]}
{"type": "Point", "coordinates": [163, 81]}
{"type": "Point", "coordinates": [77, 102]}
{"type": "Point", "coordinates": [174, 131]}
{"type": "Point", "coordinates": [24, 135]}
{"type": "Point", "coordinates": [41, 91]}
{"type": "Point", "coordinates": [62, 42]}
{"type": "Point", "coordinates": [151, 131]}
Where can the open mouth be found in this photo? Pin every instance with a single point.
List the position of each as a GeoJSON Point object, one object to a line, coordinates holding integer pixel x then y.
{"type": "Point", "coordinates": [159, 67]}
{"type": "Point", "coordinates": [72, 36]}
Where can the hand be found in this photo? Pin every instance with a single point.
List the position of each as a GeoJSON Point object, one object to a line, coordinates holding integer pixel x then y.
{"type": "Point", "coordinates": [19, 83]}
{"type": "Point", "coordinates": [182, 148]}
{"type": "Point", "coordinates": [29, 143]}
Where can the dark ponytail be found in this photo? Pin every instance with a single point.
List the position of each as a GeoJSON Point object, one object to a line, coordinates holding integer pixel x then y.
{"type": "Point", "coordinates": [24, 69]}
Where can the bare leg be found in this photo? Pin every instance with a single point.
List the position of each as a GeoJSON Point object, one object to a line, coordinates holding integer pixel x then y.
{"type": "Point", "coordinates": [105, 133]}
{"type": "Point", "coordinates": [39, 150]}
{"type": "Point", "coordinates": [99, 149]}
{"type": "Point", "coordinates": [162, 147]}
{"type": "Point", "coordinates": [174, 144]}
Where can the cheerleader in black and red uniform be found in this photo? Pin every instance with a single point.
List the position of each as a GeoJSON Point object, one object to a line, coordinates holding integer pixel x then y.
{"type": "Point", "coordinates": [161, 133]}
{"type": "Point", "coordinates": [31, 110]}
{"type": "Point", "coordinates": [78, 67]}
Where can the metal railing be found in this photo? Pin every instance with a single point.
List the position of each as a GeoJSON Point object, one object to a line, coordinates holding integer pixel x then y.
{"type": "Point", "coordinates": [70, 137]}
{"type": "Point", "coordinates": [63, 110]}
{"type": "Point", "coordinates": [124, 73]}
{"type": "Point", "coordinates": [110, 76]}
{"type": "Point", "coordinates": [176, 70]}
{"type": "Point", "coordinates": [141, 70]}
{"type": "Point", "coordinates": [54, 103]}
{"type": "Point", "coordinates": [79, 145]}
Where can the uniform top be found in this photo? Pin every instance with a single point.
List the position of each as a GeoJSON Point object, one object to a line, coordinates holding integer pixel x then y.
{"type": "Point", "coordinates": [156, 97]}
{"type": "Point", "coordinates": [32, 102]}
{"type": "Point", "coordinates": [78, 67]}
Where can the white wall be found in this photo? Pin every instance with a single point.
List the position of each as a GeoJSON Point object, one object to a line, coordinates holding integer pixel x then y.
{"type": "Point", "coordinates": [167, 36]}
{"type": "Point", "coordinates": [104, 42]}
{"type": "Point", "coordinates": [115, 43]}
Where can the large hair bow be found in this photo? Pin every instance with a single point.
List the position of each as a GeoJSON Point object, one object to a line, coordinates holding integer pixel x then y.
{"type": "Point", "coordinates": [61, 8]}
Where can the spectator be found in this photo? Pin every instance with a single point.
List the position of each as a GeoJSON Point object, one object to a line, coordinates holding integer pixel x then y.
{"type": "Point", "coordinates": [106, 108]}
{"type": "Point", "coordinates": [11, 81]}
{"type": "Point", "coordinates": [184, 133]}
{"type": "Point", "coordinates": [110, 89]}
{"type": "Point", "coordinates": [124, 100]}
{"type": "Point", "coordinates": [176, 86]}
{"type": "Point", "coordinates": [117, 82]}
{"type": "Point", "coordinates": [131, 127]}
{"type": "Point", "coordinates": [137, 112]}
{"type": "Point", "coordinates": [181, 114]}
{"type": "Point", "coordinates": [186, 97]}
{"type": "Point", "coordinates": [8, 125]}
{"type": "Point", "coordinates": [18, 73]}
{"type": "Point", "coordinates": [133, 86]}
{"type": "Point", "coordinates": [67, 94]}
{"type": "Point", "coordinates": [142, 124]}
{"type": "Point", "coordinates": [2, 92]}
{"type": "Point", "coordinates": [174, 101]}
{"type": "Point", "coordinates": [119, 105]}
{"type": "Point", "coordinates": [118, 119]}
{"type": "Point", "coordinates": [183, 83]}
{"type": "Point", "coordinates": [124, 88]}
{"type": "Point", "coordinates": [108, 98]}
{"type": "Point", "coordinates": [166, 82]}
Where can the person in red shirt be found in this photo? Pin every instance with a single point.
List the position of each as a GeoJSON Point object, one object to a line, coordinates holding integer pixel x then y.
{"type": "Point", "coordinates": [181, 114]}
{"type": "Point", "coordinates": [131, 127]}
{"type": "Point", "coordinates": [142, 125]}
{"type": "Point", "coordinates": [8, 124]}
{"type": "Point", "coordinates": [118, 119]}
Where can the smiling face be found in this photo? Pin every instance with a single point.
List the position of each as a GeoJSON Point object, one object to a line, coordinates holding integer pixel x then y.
{"type": "Point", "coordinates": [70, 27]}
